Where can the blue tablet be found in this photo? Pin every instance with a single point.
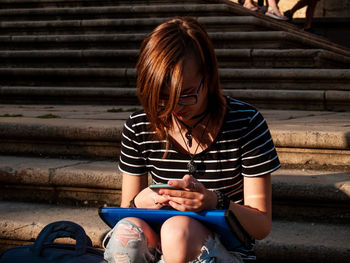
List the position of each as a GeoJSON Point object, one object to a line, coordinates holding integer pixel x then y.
{"type": "Point", "coordinates": [222, 222]}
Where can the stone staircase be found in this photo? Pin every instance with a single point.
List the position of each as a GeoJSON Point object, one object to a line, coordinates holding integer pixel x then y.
{"type": "Point", "coordinates": [67, 84]}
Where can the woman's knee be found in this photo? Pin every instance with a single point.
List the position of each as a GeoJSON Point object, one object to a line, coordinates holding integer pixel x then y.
{"type": "Point", "coordinates": [131, 240]}
{"type": "Point", "coordinates": [184, 227]}
{"type": "Point", "coordinates": [185, 234]}
{"type": "Point", "coordinates": [151, 237]}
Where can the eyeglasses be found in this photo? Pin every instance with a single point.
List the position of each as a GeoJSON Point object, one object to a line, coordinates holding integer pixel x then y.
{"type": "Point", "coordinates": [186, 100]}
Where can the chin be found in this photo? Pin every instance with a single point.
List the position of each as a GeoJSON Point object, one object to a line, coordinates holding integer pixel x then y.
{"type": "Point", "coordinates": [182, 115]}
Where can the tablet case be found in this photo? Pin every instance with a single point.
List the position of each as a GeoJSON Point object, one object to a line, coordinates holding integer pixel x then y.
{"type": "Point", "coordinates": [222, 222]}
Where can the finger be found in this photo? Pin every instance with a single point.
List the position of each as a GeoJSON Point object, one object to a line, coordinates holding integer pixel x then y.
{"type": "Point", "coordinates": [185, 202]}
{"type": "Point", "coordinates": [192, 183]}
{"type": "Point", "coordinates": [183, 183]}
{"type": "Point", "coordinates": [160, 200]}
{"type": "Point", "coordinates": [179, 207]}
{"type": "Point", "coordinates": [177, 193]}
{"type": "Point", "coordinates": [180, 184]}
{"type": "Point", "coordinates": [189, 181]}
{"type": "Point", "coordinates": [182, 207]}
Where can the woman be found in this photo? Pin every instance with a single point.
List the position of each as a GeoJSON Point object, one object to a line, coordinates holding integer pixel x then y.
{"type": "Point", "coordinates": [217, 151]}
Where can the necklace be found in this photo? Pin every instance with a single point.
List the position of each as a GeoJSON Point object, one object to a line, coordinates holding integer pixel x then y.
{"type": "Point", "coordinates": [188, 134]}
{"type": "Point", "coordinates": [191, 165]}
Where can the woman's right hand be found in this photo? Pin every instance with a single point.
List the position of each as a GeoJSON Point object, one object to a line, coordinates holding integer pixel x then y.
{"type": "Point", "coordinates": [149, 198]}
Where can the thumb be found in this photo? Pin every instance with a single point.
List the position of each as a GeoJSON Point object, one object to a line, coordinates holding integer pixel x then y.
{"type": "Point", "coordinates": [192, 183]}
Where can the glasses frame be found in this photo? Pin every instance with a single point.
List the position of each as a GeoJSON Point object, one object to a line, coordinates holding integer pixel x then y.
{"type": "Point", "coordinates": [194, 95]}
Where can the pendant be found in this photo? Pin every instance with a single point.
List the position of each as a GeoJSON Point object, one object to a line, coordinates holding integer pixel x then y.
{"type": "Point", "coordinates": [189, 138]}
{"type": "Point", "coordinates": [192, 167]}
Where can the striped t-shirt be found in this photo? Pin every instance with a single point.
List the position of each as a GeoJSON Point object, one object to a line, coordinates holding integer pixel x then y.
{"type": "Point", "coordinates": [243, 147]}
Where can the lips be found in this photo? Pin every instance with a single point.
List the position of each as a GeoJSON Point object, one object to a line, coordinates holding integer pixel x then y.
{"type": "Point", "coordinates": [180, 114]}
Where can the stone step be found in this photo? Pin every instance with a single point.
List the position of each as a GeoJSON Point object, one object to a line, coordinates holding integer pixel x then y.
{"type": "Point", "coordinates": [132, 10]}
{"type": "Point", "coordinates": [125, 25]}
{"type": "Point", "coordinates": [288, 241]}
{"type": "Point", "coordinates": [86, 183]}
{"type": "Point", "coordinates": [232, 10]}
{"type": "Point", "coordinates": [91, 183]}
{"type": "Point", "coordinates": [306, 139]}
{"type": "Point", "coordinates": [306, 242]}
{"type": "Point", "coordinates": [289, 79]}
{"type": "Point", "coordinates": [228, 40]}
{"type": "Point", "coordinates": [327, 100]}
{"type": "Point", "coordinates": [20, 223]}
{"type": "Point", "coordinates": [313, 195]}
{"type": "Point", "coordinates": [281, 99]}
{"type": "Point", "coordinates": [13, 4]}
{"type": "Point", "coordinates": [316, 81]}
{"type": "Point", "coordinates": [227, 58]}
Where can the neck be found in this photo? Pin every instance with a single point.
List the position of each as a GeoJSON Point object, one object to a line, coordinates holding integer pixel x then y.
{"type": "Point", "coordinates": [199, 118]}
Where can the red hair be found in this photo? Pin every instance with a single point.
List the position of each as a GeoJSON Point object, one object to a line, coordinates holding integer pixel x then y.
{"type": "Point", "coordinates": [160, 67]}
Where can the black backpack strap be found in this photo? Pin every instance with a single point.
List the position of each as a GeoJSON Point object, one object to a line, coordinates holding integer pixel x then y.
{"type": "Point", "coordinates": [62, 229]}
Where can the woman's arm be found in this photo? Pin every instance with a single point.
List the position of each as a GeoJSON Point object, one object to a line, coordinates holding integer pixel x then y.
{"type": "Point", "coordinates": [131, 186]}
{"type": "Point", "coordinates": [145, 197]}
{"type": "Point", "coordinates": [256, 214]}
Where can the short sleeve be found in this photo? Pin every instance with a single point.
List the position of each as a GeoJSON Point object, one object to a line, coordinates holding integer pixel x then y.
{"type": "Point", "coordinates": [259, 156]}
{"type": "Point", "coordinates": [131, 160]}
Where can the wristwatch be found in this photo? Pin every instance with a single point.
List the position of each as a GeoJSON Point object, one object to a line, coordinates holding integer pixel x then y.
{"type": "Point", "coordinates": [223, 202]}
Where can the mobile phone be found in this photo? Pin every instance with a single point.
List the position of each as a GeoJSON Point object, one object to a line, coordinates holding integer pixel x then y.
{"type": "Point", "coordinates": [158, 186]}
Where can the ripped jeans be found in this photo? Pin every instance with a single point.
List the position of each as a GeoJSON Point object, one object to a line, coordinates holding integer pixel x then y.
{"type": "Point", "coordinates": [127, 244]}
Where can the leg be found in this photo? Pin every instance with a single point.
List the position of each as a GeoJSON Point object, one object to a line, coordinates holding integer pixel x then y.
{"type": "Point", "coordinates": [250, 5]}
{"type": "Point", "coordinates": [182, 239]}
{"type": "Point", "coordinates": [300, 4]}
{"type": "Point", "coordinates": [273, 10]}
{"type": "Point", "coordinates": [131, 241]}
{"type": "Point", "coordinates": [186, 240]}
{"type": "Point", "coordinates": [310, 13]}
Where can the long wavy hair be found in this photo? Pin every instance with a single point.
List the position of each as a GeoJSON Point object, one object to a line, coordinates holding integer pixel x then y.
{"type": "Point", "coordinates": [160, 68]}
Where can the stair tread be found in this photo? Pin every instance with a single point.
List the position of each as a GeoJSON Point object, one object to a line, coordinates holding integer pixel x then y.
{"type": "Point", "coordinates": [306, 128]}
{"type": "Point", "coordinates": [59, 172]}
{"type": "Point", "coordinates": [131, 8]}
{"type": "Point", "coordinates": [24, 221]}
{"type": "Point", "coordinates": [250, 72]}
{"type": "Point", "coordinates": [311, 185]}
{"type": "Point", "coordinates": [296, 183]}
{"type": "Point", "coordinates": [222, 54]}
{"type": "Point", "coordinates": [137, 36]}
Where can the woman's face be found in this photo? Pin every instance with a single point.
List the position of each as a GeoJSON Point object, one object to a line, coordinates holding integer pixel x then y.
{"type": "Point", "coordinates": [193, 82]}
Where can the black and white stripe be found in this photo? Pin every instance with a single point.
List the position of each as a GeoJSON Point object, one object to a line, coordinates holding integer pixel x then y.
{"type": "Point", "coordinates": [243, 147]}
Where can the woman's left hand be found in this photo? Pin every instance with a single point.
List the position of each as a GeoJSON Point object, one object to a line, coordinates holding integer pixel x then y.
{"type": "Point", "coordinates": [191, 195]}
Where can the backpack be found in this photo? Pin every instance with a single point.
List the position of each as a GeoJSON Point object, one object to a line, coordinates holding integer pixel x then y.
{"type": "Point", "coordinates": [44, 250]}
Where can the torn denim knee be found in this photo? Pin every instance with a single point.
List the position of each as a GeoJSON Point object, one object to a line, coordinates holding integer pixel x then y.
{"type": "Point", "coordinates": [214, 252]}
{"type": "Point", "coordinates": [127, 244]}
